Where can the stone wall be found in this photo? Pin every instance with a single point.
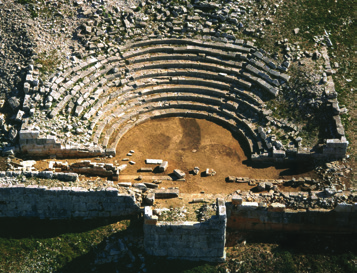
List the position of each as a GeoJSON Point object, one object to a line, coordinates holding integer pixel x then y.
{"type": "Point", "coordinates": [64, 203]}
{"type": "Point", "coordinates": [253, 216]}
{"type": "Point", "coordinates": [69, 176]}
{"type": "Point", "coordinates": [32, 143]}
{"type": "Point", "coordinates": [187, 240]}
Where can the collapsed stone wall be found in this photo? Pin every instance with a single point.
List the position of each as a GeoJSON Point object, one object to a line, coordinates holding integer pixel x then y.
{"type": "Point", "coordinates": [252, 216]}
{"type": "Point", "coordinates": [41, 202]}
{"type": "Point", "coordinates": [195, 241]}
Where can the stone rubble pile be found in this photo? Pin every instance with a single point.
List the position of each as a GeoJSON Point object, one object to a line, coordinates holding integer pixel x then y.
{"type": "Point", "coordinates": [88, 168]}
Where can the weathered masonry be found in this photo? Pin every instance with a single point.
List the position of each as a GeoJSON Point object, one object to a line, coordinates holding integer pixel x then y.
{"type": "Point", "coordinates": [253, 216]}
{"type": "Point", "coordinates": [199, 241]}
{"type": "Point", "coordinates": [195, 241]}
{"type": "Point", "coordinates": [64, 203]}
{"type": "Point", "coordinates": [152, 78]}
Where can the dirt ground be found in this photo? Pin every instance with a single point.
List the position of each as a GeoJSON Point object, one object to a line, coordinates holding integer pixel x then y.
{"type": "Point", "coordinates": [186, 143]}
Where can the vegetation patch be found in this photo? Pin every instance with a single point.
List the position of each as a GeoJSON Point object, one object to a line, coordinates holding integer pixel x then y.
{"type": "Point", "coordinates": [48, 61]}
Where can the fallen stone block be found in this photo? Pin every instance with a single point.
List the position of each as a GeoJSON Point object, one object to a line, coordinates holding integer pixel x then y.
{"type": "Point", "coordinates": [124, 184]}
{"type": "Point", "coordinates": [163, 167]}
{"type": "Point", "coordinates": [261, 186]}
{"type": "Point", "coordinates": [231, 179]}
{"type": "Point", "coordinates": [179, 173]}
{"type": "Point", "coordinates": [145, 170]}
{"type": "Point", "coordinates": [151, 185]}
{"type": "Point", "coordinates": [149, 199]}
{"type": "Point", "coordinates": [122, 167]}
{"type": "Point", "coordinates": [210, 172]}
{"type": "Point", "coordinates": [198, 200]}
{"type": "Point", "coordinates": [166, 193]}
{"type": "Point", "coordinates": [140, 186]}
{"type": "Point", "coordinates": [153, 161]}
{"type": "Point", "coordinates": [196, 170]}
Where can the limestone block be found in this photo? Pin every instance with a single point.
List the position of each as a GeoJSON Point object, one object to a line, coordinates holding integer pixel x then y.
{"type": "Point", "coordinates": [276, 207]}
{"type": "Point", "coordinates": [50, 139]}
{"type": "Point", "coordinates": [153, 161]}
{"type": "Point", "coordinates": [249, 206]}
{"type": "Point", "coordinates": [111, 191]}
{"type": "Point", "coordinates": [26, 103]}
{"type": "Point", "coordinates": [140, 186]}
{"type": "Point", "coordinates": [28, 134]}
{"type": "Point", "coordinates": [163, 167]}
{"type": "Point", "coordinates": [78, 111]}
{"type": "Point", "coordinates": [278, 153]}
{"type": "Point", "coordinates": [151, 185]}
{"type": "Point", "coordinates": [237, 200]}
{"type": "Point", "coordinates": [149, 199]}
{"type": "Point", "coordinates": [110, 152]}
{"type": "Point", "coordinates": [179, 173]}
{"type": "Point", "coordinates": [27, 87]}
{"type": "Point", "coordinates": [166, 193]}
{"type": "Point", "coordinates": [124, 184]}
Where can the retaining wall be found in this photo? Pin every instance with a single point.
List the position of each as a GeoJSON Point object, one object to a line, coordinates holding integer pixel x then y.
{"type": "Point", "coordinates": [187, 240]}
{"type": "Point", "coordinates": [44, 174]}
{"type": "Point", "coordinates": [32, 143]}
{"type": "Point", "coordinates": [64, 203]}
{"type": "Point", "coordinates": [251, 216]}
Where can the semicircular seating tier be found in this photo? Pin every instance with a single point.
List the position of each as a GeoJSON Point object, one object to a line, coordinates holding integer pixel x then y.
{"type": "Point", "coordinates": [100, 99]}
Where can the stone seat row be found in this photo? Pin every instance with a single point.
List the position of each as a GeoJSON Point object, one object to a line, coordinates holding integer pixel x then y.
{"type": "Point", "coordinates": [90, 70]}
{"type": "Point", "coordinates": [184, 57]}
{"type": "Point", "coordinates": [190, 80]}
{"type": "Point", "coordinates": [238, 84]}
{"type": "Point", "coordinates": [150, 107]}
{"type": "Point", "coordinates": [93, 99]}
{"type": "Point", "coordinates": [166, 97]}
{"type": "Point", "coordinates": [248, 142]}
{"type": "Point", "coordinates": [86, 81]}
{"type": "Point", "coordinates": [184, 50]}
{"type": "Point", "coordinates": [94, 63]}
{"type": "Point", "coordinates": [215, 45]}
{"type": "Point", "coordinates": [132, 104]}
{"type": "Point", "coordinates": [98, 65]}
{"type": "Point", "coordinates": [83, 94]}
{"type": "Point", "coordinates": [167, 92]}
{"type": "Point", "coordinates": [249, 72]}
{"type": "Point", "coordinates": [263, 62]}
{"type": "Point", "coordinates": [158, 73]}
